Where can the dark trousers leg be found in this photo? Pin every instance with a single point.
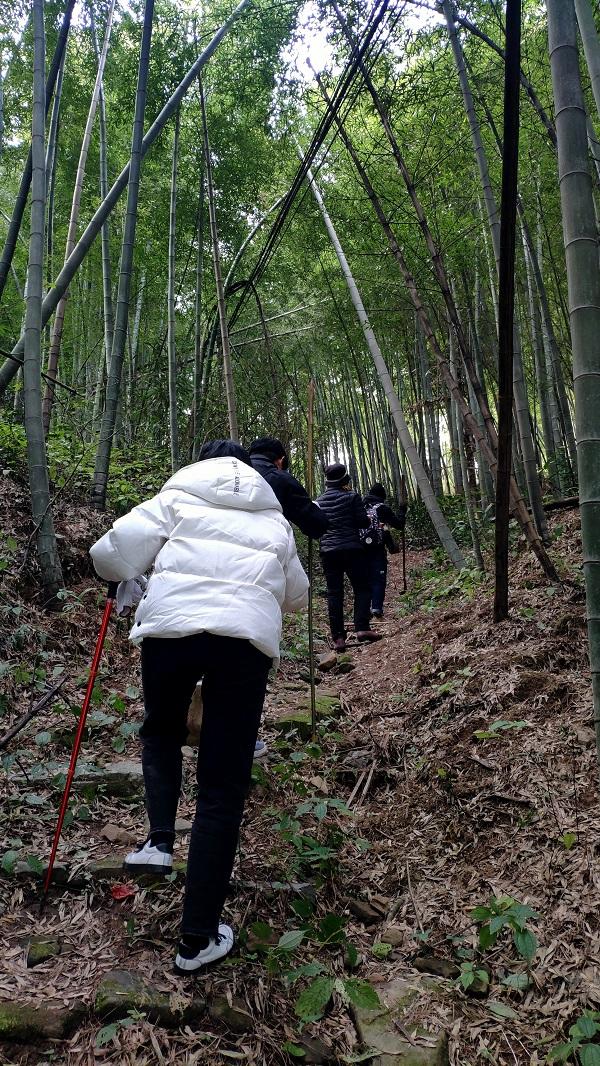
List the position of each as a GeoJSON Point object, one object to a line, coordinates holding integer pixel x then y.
{"type": "Point", "coordinates": [357, 568]}
{"type": "Point", "coordinates": [333, 568]}
{"type": "Point", "coordinates": [170, 671]}
{"type": "Point", "coordinates": [378, 575]}
{"type": "Point", "coordinates": [233, 692]}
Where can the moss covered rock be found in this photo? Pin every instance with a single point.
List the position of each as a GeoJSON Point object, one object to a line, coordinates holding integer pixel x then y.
{"type": "Point", "coordinates": [235, 1016]}
{"type": "Point", "coordinates": [298, 717]}
{"type": "Point", "coordinates": [378, 1030]}
{"type": "Point", "coordinates": [24, 1022]}
{"type": "Point", "coordinates": [296, 720]}
{"type": "Point", "coordinates": [121, 991]}
{"type": "Point", "coordinates": [42, 948]}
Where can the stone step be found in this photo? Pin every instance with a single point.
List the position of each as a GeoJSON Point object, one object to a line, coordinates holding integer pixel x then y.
{"type": "Point", "coordinates": [388, 1031]}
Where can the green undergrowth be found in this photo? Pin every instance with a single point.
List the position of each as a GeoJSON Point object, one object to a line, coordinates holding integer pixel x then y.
{"type": "Point", "coordinates": [432, 586]}
{"type": "Point", "coordinates": [421, 534]}
{"type": "Point", "coordinates": [134, 475]}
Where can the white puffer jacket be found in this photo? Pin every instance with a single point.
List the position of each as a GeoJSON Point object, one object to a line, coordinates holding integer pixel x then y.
{"type": "Point", "coordinates": [224, 557]}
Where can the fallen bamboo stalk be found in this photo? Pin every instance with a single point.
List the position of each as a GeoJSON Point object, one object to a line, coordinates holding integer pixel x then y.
{"type": "Point", "coordinates": [28, 715]}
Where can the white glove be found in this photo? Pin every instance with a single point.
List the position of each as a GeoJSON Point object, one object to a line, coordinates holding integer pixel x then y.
{"type": "Point", "coordinates": [129, 594]}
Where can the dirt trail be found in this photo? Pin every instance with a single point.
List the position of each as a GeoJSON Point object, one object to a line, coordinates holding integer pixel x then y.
{"type": "Point", "coordinates": [447, 811]}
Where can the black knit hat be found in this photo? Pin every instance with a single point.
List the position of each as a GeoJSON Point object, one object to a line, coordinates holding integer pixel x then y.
{"type": "Point", "coordinates": [336, 476]}
{"type": "Point", "coordinates": [377, 490]}
{"type": "Point", "coordinates": [269, 446]}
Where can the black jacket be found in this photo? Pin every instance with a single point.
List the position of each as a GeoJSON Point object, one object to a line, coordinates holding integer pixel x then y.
{"type": "Point", "coordinates": [385, 513]}
{"type": "Point", "coordinates": [296, 504]}
{"type": "Point", "coordinates": [346, 515]}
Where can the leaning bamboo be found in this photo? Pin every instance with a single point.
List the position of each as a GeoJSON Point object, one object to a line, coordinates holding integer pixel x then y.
{"type": "Point", "coordinates": [441, 526]}
{"type": "Point", "coordinates": [70, 268]}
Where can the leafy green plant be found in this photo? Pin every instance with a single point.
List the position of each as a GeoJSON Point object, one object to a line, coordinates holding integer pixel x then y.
{"type": "Point", "coordinates": [315, 998]}
{"type": "Point", "coordinates": [581, 1042]}
{"type": "Point", "coordinates": [496, 729]}
{"type": "Point", "coordinates": [9, 860]}
{"type": "Point", "coordinates": [469, 974]}
{"type": "Point", "coordinates": [381, 950]}
{"type": "Point", "coordinates": [320, 808]}
{"type": "Point", "coordinates": [107, 1032]}
{"type": "Point", "coordinates": [504, 912]}
{"type": "Point", "coordinates": [312, 852]}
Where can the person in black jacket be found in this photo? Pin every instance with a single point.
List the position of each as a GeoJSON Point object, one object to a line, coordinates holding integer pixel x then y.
{"type": "Point", "coordinates": [269, 458]}
{"type": "Point", "coordinates": [342, 553]}
{"type": "Point", "coordinates": [378, 548]}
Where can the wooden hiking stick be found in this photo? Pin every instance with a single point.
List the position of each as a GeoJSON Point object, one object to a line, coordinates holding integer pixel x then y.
{"type": "Point", "coordinates": [311, 636]}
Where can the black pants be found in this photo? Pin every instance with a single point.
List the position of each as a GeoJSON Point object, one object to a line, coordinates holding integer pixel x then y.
{"type": "Point", "coordinates": [378, 576]}
{"type": "Point", "coordinates": [352, 562]}
{"type": "Point", "coordinates": [234, 680]}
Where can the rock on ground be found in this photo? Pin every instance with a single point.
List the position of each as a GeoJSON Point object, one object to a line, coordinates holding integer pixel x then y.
{"type": "Point", "coordinates": [234, 1016]}
{"type": "Point", "coordinates": [22, 1022]}
{"type": "Point", "coordinates": [121, 991]}
{"type": "Point", "coordinates": [42, 948]}
{"type": "Point", "coordinates": [384, 1030]}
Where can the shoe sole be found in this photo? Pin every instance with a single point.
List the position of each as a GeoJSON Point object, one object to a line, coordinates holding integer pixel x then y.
{"type": "Point", "coordinates": [260, 754]}
{"type": "Point", "coordinates": [147, 868]}
{"type": "Point", "coordinates": [203, 967]}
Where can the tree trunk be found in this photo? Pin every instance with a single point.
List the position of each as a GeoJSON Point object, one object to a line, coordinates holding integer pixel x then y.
{"type": "Point", "coordinates": [107, 294]}
{"type": "Point", "coordinates": [520, 390]}
{"type": "Point", "coordinates": [198, 308]}
{"type": "Point", "coordinates": [113, 388]}
{"type": "Point", "coordinates": [469, 505]}
{"type": "Point", "coordinates": [581, 250]}
{"type": "Point", "coordinates": [544, 385]}
{"type": "Point", "coordinates": [550, 130]}
{"type": "Point", "coordinates": [9, 367]}
{"type": "Point", "coordinates": [487, 442]}
{"type": "Point", "coordinates": [433, 437]}
{"type": "Point", "coordinates": [171, 348]}
{"type": "Point", "coordinates": [591, 45]}
{"type": "Point", "coordinates": [12, 236]}
{"type": "Point", "coordinates": [509, 357]}
{"type": "Point", "coordinates": [41, 504]}
{"type": "Point", "coordinates": [439, 522]}
{"type": "Point", "coordinates": [51, 154]}
{"type": "Point", "coordinates": [225, 346]}
{"type": "Point", "coordinates": [59, 319]}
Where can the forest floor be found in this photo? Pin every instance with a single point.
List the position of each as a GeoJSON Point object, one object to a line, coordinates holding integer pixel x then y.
{"type": "Point", "coordinates": [454, 768]}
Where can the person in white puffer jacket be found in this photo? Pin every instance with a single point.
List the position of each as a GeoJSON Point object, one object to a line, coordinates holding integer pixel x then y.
{"type": "Point", "coordinates": [225, 567]}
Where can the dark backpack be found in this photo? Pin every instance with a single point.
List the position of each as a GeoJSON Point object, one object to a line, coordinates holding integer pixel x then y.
{"type": "Point", "coordinates": [372, 535]}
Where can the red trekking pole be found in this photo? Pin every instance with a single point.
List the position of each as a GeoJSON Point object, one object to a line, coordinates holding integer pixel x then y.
{"type": "Point", "coordinates": [110, 599]}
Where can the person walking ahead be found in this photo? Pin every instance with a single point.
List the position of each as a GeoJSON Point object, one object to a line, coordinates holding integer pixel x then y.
{"type": "Point", "coordinates": [225, 567]}
{"type": "Point", "coordinates": [378, 544]}
{"type": "Point", "coordinates": [269, 457]}
{"type": "Point", "coordinates": [342, 553]}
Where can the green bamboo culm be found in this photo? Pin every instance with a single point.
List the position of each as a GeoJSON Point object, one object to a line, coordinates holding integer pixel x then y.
{"type": "Point", "coordinates": [37, 461]}
{"type": "Point", "coordinates": [583, 278]}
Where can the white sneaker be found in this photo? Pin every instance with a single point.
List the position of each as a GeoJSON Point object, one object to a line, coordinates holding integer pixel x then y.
{"type": "Point", "coordinates": [149, 858]}
{"type": "Point", "coordinates": [216, 949]}
{"type": "Point", "coordinates": [260, 749]}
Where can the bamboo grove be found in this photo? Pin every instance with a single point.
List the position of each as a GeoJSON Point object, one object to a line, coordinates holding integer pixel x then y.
{"type": "Point", "coordinates": [196, 223]}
